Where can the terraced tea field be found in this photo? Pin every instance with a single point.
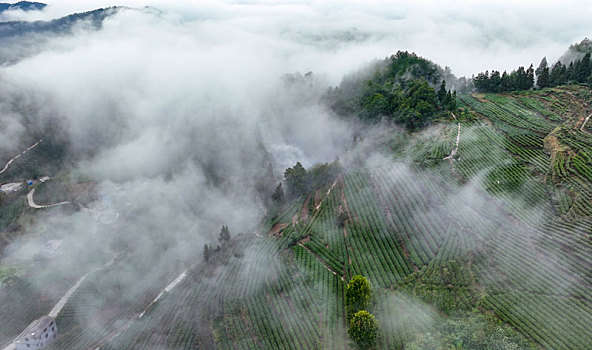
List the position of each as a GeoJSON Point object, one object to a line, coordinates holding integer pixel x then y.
{"type": "Point", "coordinates": [502, 230]}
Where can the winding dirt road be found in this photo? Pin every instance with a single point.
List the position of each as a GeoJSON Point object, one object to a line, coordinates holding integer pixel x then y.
{"type": "Point", "coordinates": [33, 205]}
{"type": "Point", "coordinates": [60, 304]}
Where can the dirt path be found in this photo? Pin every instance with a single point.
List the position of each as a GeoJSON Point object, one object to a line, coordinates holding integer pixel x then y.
{"type": "Point", "coordinates": [584, 124]}
{"type": "Point", "coordinates": [33, 205]}
{"type": "Point", "coordinates": [581, 110]}
{"type": "Point", "coordinates": [19, 155]}
{"type": "Point", "coordinates": [455, 150]}
{"type": "Point", "coordinates": [130, 322]}
{"type": "Point", "coordinates": [329, 268]}
{"type": "Point", "coordinates": [58, 307]}
{"type": "Point", "coordinates": [328, 193]}
{"type": "Point", "coordinates": [167, 289]}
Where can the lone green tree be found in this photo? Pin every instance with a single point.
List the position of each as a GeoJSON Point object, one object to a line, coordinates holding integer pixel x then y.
{"type": "Point", "coordinates": [224, 237]}
{"type": "Point", "coordinates": [357, 295]}
{"type": "Point", "coordinates": [363, 329]}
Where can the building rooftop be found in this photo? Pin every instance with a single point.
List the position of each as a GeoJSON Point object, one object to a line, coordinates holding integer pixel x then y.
{"type": "Point", "coordinates": [35, 328]}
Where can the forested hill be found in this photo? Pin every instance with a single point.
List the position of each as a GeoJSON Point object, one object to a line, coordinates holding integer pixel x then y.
{"type": "Point", "coordinates": [489, 249]}
{"type": "Point", "coordinates": [400, 88]}
{"type": "Point", "coordinates": [22, 39]}
{"type": "Point", "coordinates": [472, 231]}
{"type": "Point", "coordinates": [56, 26]}
{"type": "Point", "coordinates": [22, 5]}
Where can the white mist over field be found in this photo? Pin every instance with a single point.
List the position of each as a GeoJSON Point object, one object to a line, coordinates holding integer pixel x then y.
{"type": "Point", "coordinates": [176, 110]}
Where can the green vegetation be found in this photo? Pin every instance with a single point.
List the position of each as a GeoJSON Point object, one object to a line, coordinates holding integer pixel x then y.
{"type": "Point", "coordinates": [277, 197]}
{"type": "Point", "coordinates": [363, 329]}
{"type": "Point", "coordinates": [486, 249]}
{"type": "Point", "coordinates": [401, 90]}
{"type": "Point", "coordinates": [7, 272]}
{"type": "Point", "coordinates": [577, 71]}
{"type": "Point", "coordinates": [299, 181]}
{"type": "Point", "coordinates": [357, 294]}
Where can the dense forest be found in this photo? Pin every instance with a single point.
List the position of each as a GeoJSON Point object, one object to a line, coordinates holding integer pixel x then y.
{"type": "Point", "coordinates": [576, 70]}
{"type": "Point", "coordinates": [402, 88]}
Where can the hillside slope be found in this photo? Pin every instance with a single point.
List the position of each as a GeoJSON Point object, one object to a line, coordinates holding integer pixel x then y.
{"type": "Point", "coordinates": [487, 248]}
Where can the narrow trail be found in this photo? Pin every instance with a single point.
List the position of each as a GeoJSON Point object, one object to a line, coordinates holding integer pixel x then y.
{"type": "Point", "coordinates": [58, 307]}
{"type": "Point", "coordinates": [33, 205]}
{"type": "Point", "coordinates": [19, 155]}
{"type": "Point", "coordinates": [585, 121]}
{"type": "Point", "coordinates": [328, 193]}
{"type": "Point", "coordinates": [167, 289]}
{"type": "Point", "coordinates": [329, 268]}
{"type": "Point", "coordinates": [130, 322]}
{"type": "Point", "coordinates": [455, 150]}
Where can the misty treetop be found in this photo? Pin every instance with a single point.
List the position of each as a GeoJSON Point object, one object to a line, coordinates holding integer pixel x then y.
{"type": "Point", "coordinates": [357, 295]}
{"type": "Point", "coordinates": [22, 5]}
{"type": "Point", "coordinates": [401, 90]}
{"type": "Point", "coordinates": [299, 181]}
{"type": "Point", "coordinates": [363, 329]}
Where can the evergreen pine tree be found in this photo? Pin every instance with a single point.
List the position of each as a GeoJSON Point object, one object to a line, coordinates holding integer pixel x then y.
{"type": "Point", "coordinates": [278, 194]}
{"type": "Point", "coordinates": [224, 237]}
{"type": "Point", "coordinates": [569, 74]}
{"type": "Point", "coordinates": [543, 78]}
{"type": "Point", "coordinates": [584, 69]}
{"type": "Point", "coordinates": [442, 93]}
{"type": "Point", "coordinates": [506, 82]}
{"type": "Point", "coordinates": [495, 81]}
{"type": "Point", "coordinates": [542, 66]}
{"type": "Point", "coordinates": [557, 76]}
{"type": "Point", "coordinates": [529, 83]}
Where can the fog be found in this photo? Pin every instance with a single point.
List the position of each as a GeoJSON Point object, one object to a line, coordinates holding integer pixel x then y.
{"type": "Point", "coordinates": [176, 111]}
{"type": "Point", "coordinates": [176, 120]}
{"type": "Point", "coordinates": [336, 36]}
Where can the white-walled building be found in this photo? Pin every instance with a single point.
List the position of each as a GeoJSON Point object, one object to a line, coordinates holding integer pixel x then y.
{"type": "Point", "coordinates": [38, 334]}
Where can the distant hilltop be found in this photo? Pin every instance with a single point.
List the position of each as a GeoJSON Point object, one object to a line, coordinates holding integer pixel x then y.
{"type": "Point", "coordinates": [22, 5]}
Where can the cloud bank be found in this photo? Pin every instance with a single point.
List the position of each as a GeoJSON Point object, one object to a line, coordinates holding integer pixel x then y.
{"type": "Point", "coordinates": [469, 36]}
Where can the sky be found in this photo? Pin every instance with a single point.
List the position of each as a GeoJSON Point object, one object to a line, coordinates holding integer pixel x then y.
{"type": "Point", "coordinates": [468, 35]}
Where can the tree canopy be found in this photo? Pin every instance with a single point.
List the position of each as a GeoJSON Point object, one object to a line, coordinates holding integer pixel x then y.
{"type": "Point", "coordinates": [578, 71]}
{"type": "Point", "coordinates": [295, 178]}
{"type": "Point", "coordinates": [357, 294]}
{"type": "Point", "coordinates": [363, 329]}
{"type": "Point", "coordinates": [401, 90]}
{"type": "Point", "coordinates": [299, 181]}
{"type": "Point", "coordinates": [224, 237]}
{"type": "Point", "coordinates": [278, 194]}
